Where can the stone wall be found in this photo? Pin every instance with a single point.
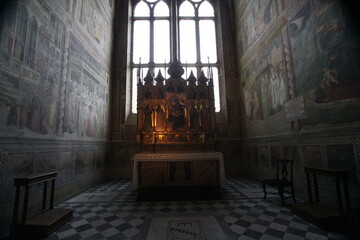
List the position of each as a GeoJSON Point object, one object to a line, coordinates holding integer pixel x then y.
{"type": "Point", "coordinates": [300, 82]}
{"type": "Point", "coordinates": [54, 93]}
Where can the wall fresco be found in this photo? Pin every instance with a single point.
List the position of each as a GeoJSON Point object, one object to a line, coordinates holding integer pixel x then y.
{"type": "Point", "coordinates": [34, 56]}
{"type": "Point", "coordinates": [254, 22]}
{"type": "Point", "coordinates": [54, 85]}
{"type": "Point", "coordinates": [96, 23]}
{"type": "Point", "coordinates": [30, 70]}
{"type": "Point", "coordinates": [87, 95]}
{"type": "Point", "coordinates": [315, 56]}
{"type": "Point", "coordinates": [326, 53]}
{"type": "Point", "coordinates": [264, 83]}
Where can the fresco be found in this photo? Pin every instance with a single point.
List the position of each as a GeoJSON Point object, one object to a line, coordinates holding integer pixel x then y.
{"type": "Point", "coordinates": [255, 21]}
{"type": "Point", "coordinates": [97, 25]}
{"type": "Point", "coordinates": [30, 77]}
{"type": "Point", "coordinates": [326, 56]}
{"type": "Point", "coordinates": [87, 96]}
{"type": "Point", "coordinates": [264, 83]}
{"type": "Point", "coordinates": [34, 55]}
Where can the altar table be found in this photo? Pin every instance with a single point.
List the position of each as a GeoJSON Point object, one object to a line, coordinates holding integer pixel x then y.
{"type": "Point", "coordinates": [178, 169]}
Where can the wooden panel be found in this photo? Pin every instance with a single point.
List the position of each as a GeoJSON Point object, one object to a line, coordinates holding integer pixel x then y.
{"type": "Point", "coordinates": [179, 173]}
{"type": "Point", "coordinates": [152, 174]}
{"type": "Point", "coordinates": [205, 173]}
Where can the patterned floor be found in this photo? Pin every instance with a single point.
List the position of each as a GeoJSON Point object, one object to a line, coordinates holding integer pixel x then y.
{"type": "Point", "coordinates": [242, 215]}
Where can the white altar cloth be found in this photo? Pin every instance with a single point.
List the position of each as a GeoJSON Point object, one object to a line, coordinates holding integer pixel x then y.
{"type": "Point", "coordinates": [176, 157]}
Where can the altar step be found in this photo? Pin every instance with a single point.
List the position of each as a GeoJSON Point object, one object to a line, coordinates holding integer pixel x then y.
{"type": "Point", "coordinates": [179, 193]}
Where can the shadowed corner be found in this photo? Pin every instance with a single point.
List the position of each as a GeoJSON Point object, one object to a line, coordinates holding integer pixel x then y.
{"type": "Point", "coordinates": [7, 5]}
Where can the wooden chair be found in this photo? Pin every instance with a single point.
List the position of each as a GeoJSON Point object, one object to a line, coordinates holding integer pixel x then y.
{"type": "Point", "coordinates": [284, 178]}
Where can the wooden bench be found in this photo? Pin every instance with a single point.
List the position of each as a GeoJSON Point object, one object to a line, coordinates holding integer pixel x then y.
{"type": "Point", "coordinates": [44, 221]}
{"type": "Point", "coordinates": [320, 214]}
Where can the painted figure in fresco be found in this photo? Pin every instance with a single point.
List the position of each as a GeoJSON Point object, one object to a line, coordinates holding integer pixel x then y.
{"type": "Point", "coordinates": [73, 107]}
{"type": "Point", "coordinates": [340, 79]}
{"type": "Point", "coordinates": [147, 118]}
{"type": "Point", "coordinates": [24, 110]}
{"type": "Point", "coordinates": [176, 116]}
{"type": "Point", "coordinates": [100, 109]}
{"type": "Point", "coordinates": [329, 77]}
{"type": "Point", "coordinates": [13, 116]}
{"type": "Point", "coordinates": [92, 122]}
{"type": "Point", "coordinates": [160, 118]}
{"type": "Point", "coordinates": [34, 120]}
{"type": "Point", "coordinates": [52, 96]}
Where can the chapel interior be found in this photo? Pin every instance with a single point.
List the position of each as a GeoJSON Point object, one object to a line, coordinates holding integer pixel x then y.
{"type": "Point", "coordinates": [239, 89]}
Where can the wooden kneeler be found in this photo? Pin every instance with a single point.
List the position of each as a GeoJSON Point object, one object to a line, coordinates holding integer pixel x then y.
{"type": "Point", "coordinates": [43, 222]}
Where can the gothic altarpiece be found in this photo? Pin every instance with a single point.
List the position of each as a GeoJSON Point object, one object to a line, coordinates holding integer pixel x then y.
{"type": "Point", "coordinates": [176, 131]}
{"type": "Point", "coordinates": [175, 114]}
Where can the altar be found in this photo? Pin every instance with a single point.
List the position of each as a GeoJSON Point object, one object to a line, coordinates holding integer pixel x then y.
{"type": "Point", "coordinates": [176, 132]}
{"type": "Point", "coordinates": [178, 169]}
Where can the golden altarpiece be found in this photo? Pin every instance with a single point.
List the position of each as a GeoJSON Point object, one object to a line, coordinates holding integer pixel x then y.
{"type": "Point", "coordinates": [176, 134]}
{"type": "Point", "coordinates": [175, 114]}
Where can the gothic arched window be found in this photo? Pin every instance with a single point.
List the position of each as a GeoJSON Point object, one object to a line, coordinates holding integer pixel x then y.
{"type": "Point", "coordinates": [153, 42]}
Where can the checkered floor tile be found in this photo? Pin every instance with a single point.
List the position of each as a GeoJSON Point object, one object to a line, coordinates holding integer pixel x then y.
{"type": "Point", "coordinates": [240, 217]}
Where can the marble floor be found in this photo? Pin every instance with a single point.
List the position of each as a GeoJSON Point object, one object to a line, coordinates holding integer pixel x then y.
{"type": "Point", "coordinates": [110, 211]}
